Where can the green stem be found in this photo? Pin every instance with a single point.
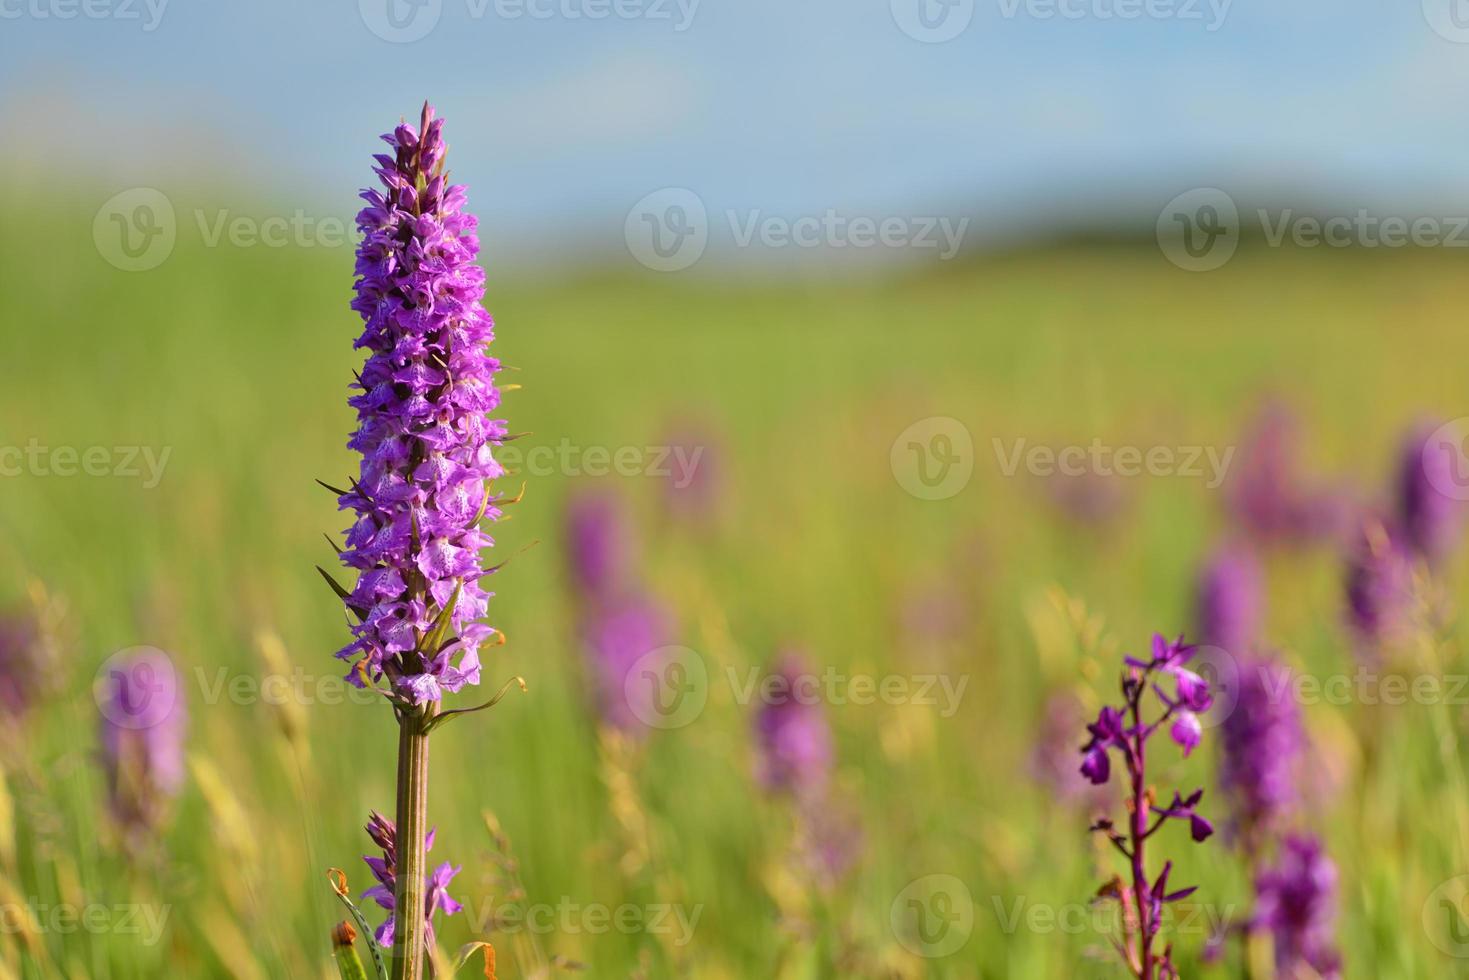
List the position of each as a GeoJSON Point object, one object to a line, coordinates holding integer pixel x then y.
{"type": "Point", "coordinates": [408, 900]}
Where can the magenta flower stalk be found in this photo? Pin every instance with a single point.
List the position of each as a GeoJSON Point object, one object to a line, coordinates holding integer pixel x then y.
{"type": "Point", "coordinates": [422, 400]}
{"type": "Point", "coordinates": [1126, 731]}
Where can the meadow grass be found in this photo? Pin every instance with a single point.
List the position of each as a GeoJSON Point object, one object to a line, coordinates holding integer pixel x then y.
{"type": "Point", "coordinates": [236, 361]}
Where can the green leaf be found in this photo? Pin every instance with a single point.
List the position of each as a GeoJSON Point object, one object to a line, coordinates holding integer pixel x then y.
{"type": "Point", "coordinates": [338, 878]}
{"type": "Point", "coordinates": [342, 593]}
{"type": "Point", "coordinates": [435, 638]}
{"type": "Point", "coordinates": [467, 951]}
{"type": "Point", "coordinates": [438, 720]}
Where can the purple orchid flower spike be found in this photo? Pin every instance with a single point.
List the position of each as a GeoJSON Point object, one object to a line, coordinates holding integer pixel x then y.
{"type": "Point", "coordinates": [384, 869]}
{"type": "Point", "coordinates": [1126, 729]}
{"type": "Point", "coordinates": [422, 494]}
{"type": "Point", "coordinates": [423, 428]}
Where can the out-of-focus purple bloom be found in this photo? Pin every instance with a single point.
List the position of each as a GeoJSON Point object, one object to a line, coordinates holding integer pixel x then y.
{"type": "Point", "coordinates": [1296, 903]}
{"type": "Point", "coordinates": [694, 484]}
{"type": "Point", "coordinates": [1430, 518]}
{"type": "Point", "coordinates": [1088, 498]}
{"type": "Point", "coordinates": [142, 733]}
{"type": "Point", "coordinates": [792, 740]}
{"type": "Point", "coordinates": [1053, 760]}
{"type": "Point", "coordinates": [24, 662]}
{"type": "Point", "coordinates": [1126, 731]}
{"type": "Point", "coordinates": [385, 869]}
{"type": "Point", "coordinates": [599, 553]}
{"type": "Point", "coordinates": [1230, 601]}
{"type": "Point", "coordinates": [829, 839]}
{"type": "Point", "coordinates": [1266, 495]}
{"type": "Point", "coordinates": [932, 614]}
{"type": "Point", "coordinates": [424, 430]}
{"type": "Point", "coordinates": [1261, 742]}
{"type": "Point", "coordinates": [794, 758]}
{"type": "Point", "coordinates": [1380, 591]}
{"type": "Point", "coordinates": [620, 635]}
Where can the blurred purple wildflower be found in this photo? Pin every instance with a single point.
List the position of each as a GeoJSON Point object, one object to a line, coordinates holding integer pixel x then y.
{"type": "Point", "coordinates": [599, 553]}
{"type": "Point", "coordinates": [829, 839]}
{"type": "Point", "coordinates": [1266, 495]}
{"type": "Point", "coordinates": [620, 635]}
{"type": "Point", "coordinates": [1053, 759]}
{"type": "Point", "coordinates": [1430, 519]}
{"type": "Point", "coordinates": [1124, 730]}
{"type": "Point", "coordinates": [932, 614]}
{"type": "Point", "coordinates": [792, 740]}
{"type": "Point", "coordinates": [794, 758]}
{"type": "Point", "coordinates": [25, 665]}
{"type": "Point", "coordinates": [142, 735]}
{"type": "Point", "coordinates": [1261, 743]}
{"type": "Point", "coordinates": [1230, 601]}
{"type": "Point", "coordinates": [423, 429]}
{"type": "Point", "coordinates": [1380, 591]}
{"type": "Point", "coordinates": [385, 870]}
{"type": "Point", "coordinates": [1089, 498]}
{"type": "Point", "coordinates": [1296, 903]}
{"type": "Point", "coordinates": [694, 485]}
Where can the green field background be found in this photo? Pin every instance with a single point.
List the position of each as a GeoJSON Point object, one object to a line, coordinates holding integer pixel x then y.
{"type": "Point", "coordinates": [237, 360]}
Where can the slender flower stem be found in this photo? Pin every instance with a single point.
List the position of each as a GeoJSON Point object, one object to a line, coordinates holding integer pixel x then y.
{"type": "Point", "coordinates": [409, 898]}
{"type": "Point", "coordinates": [1139, 827]}
{"type": "Point", "coordinates": [1120, 728]}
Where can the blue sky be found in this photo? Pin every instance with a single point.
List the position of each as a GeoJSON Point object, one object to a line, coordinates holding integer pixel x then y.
{"type": "Point", "coordinates": [561, 123]}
